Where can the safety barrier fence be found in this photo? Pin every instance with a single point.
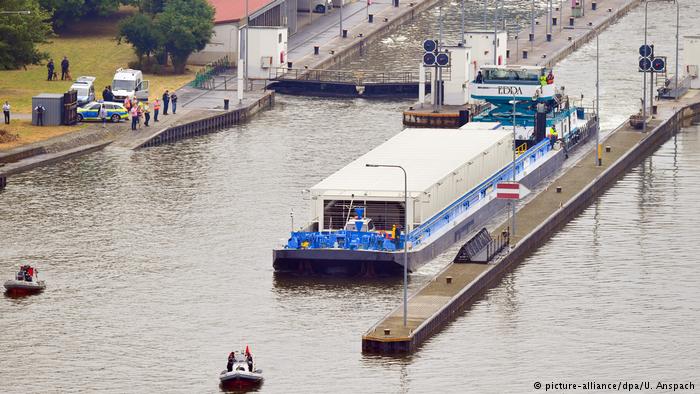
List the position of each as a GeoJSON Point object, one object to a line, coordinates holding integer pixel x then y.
{"type": "Point", "coordinates": [358, 78]}
{"type": "Point", "coordinates": [203, 79]}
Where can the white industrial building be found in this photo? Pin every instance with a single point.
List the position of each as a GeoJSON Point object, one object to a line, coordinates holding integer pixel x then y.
{"type": "Point", "coordinates": [691, 55]}
{"type": "Point", "coordinates": [482, 46]}
{"type": "Point", "coordinates": [442, 165]}
{"type": "Point", "coordinates": [230, 19]}
{"type": "Point", "coordinates": [467, 59]}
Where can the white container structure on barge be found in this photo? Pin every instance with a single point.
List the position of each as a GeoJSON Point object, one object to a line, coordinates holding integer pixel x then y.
{"type": "Point", "coordinates": [358, 212]}
{"type": "Point", "coordinates": [441, 166]}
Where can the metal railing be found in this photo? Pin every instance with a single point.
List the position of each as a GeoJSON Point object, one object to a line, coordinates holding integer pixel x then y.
{"type": "Point", "coordinates": [344, 76]}
{"type": "Point", "coordinates": [203, 79]}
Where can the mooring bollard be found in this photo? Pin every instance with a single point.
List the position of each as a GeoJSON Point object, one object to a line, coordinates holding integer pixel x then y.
{"type": "Point", "coordinates": [289, 65]}
{"type": "Point", "coordinates": [608, 148]}
{"type": "Point", "coordinates": [558, 189]}
{"type": "Point", "coordinates": [594, 6]}
{"type": "Point", "coordinates": [345, 33]}
{"type": "Point", "coordinates": [370, 18]}
{"type": "Point", "coordinates": [532, 37]}
{"type": "Point", "coordinates": [316, 49]}
{"type": "Point", "coordinates": [387, 331]}
{"type": "Point", "coordinates": [549, 36]}
{"type": "Point", "coordinates": [396, 3]}
{"type": "Point", "coordinates": [448, 280]}
{"type": "Point", "coordinates": [507, 53]}
{"type": "Point", "coordinates": [571, 21]}
{"type": "Point", "coordinates": [524, 54]}
{"type": "Point", "coordinates": [226, 104]}
{"type": "Point", "coordinates": [554, 21]}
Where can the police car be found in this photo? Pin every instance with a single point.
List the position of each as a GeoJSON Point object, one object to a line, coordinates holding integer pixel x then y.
{"type": "Point", "coordinates": [91, 111]}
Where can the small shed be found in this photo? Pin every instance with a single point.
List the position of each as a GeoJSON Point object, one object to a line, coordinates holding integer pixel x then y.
{"type": "Point", "coordinates": [53, 102]}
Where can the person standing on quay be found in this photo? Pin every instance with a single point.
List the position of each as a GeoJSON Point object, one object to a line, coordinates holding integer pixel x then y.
{"type": "Point", "coordinates": [50, 68]}
{"type": "Point", "coordinates": [103, 115]}
{"type": "Point", "coordinates": [173, 99]}
{"type": "Point", "coordinates": [156, 108]}
{"type": "Point", "coordinates": [134, 112]}
{"type": "Point", "coordinates": [64, 68]}
{"type": "Point", "coordinates": [6, 112]}
{"type": "Point", "coordinates": [40, 114]}
{"type": "Point", "coordinates": [146, 113]}
{"type": "Point", "coordinates": [166, 101]}
{"type": "Point", "coordinates": [139, 108]}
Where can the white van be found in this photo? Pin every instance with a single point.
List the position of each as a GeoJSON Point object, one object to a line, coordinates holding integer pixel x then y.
{"type": "Point", "coordinates": [85, 87]}
{"type": "Point", "coordinates": [129, 83]}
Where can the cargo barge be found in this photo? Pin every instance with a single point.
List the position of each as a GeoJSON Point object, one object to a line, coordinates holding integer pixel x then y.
{"type": "Point", "coordinates": [451, 176]}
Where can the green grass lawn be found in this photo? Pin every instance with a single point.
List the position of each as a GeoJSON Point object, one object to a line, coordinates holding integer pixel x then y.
{"type": "Point", "coordinates": [92, 50]}
{"type": "Point", "coordinates": [27, 133]}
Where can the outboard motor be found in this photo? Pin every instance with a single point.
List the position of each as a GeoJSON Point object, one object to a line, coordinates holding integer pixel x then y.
{"type": "Point", "coordinates": [541, 122]}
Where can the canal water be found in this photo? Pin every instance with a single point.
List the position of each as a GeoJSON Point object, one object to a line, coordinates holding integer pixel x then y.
{"type": "Point", "coordinates": [158, 263]}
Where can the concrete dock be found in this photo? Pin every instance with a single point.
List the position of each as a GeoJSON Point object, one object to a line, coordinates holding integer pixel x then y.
{"type": "Point", "coordinates": [334, 49]}
{"type": "Point", "coordinates": [440, 300]}
{"type": "Point", "coordinates": [200, 112]}
{"type": "Point", "coordinates": [565, 38]}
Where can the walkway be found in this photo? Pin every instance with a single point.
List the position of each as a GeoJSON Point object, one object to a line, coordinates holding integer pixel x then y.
{"type": "Point", "coordinates": [565, 38]}
{"type": "Point", "coordinates": [438, 295]}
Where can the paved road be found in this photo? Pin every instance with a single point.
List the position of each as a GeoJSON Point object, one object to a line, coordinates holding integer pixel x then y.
{"type": "Point", "coordinates": [326, 28]}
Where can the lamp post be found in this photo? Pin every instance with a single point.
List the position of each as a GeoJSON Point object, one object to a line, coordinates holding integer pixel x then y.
{"type": "Point", "coordinates": [644, 89]}
{"type": "Point", "coordinates": [247, 24]}
{"type": "Point", "coordinates": [462, 40]}
{"type": "Point", "coordinates": [678, 19]}
{"type": "Point", "coordinates": [511, 234]}
{"type": "Point", "coordinates": [341, 18]}
{"type": "Point", "coordinates": [598, 157]}
{"type": "Point", "coordinates": [405, 239]}
{"type": "Point", "coordinates": [15, 12]}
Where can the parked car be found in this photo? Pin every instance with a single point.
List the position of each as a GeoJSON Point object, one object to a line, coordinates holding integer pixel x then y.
{"type": "Point", "coordinates": [321, 6]}
{"type": "Point", "coordinates": [129, 83]}
{"type": "Point", "coordinates": [91, 111]}
{"type": "Point", "coordinates": [85, 87]}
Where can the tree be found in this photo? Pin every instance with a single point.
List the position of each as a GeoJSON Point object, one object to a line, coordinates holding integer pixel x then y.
{"type": "Point", "coordinates": [140, 31]}
{"type": "Point", "coordinates": [186, 26]}
{"type": "Point", "coordinates": [67, 11]}
{"type": "Point", "coordinates": [151, 6]}
{"type": "Point", "coordinates": [20, 33]}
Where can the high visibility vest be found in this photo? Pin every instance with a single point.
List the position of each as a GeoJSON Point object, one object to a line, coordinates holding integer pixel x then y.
{"type": "Point", "coordinates": [553, 132]}
{"type": "Point", "coordinates": [127, 104]}
{"type": "Point", "coordinates": [543, 80]}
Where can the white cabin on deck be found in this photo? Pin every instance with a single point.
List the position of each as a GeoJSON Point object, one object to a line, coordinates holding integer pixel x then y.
{"type": "Point", "coordinates": [441, 165]}
{"type": "Point", "coordinates": [506, 82]}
